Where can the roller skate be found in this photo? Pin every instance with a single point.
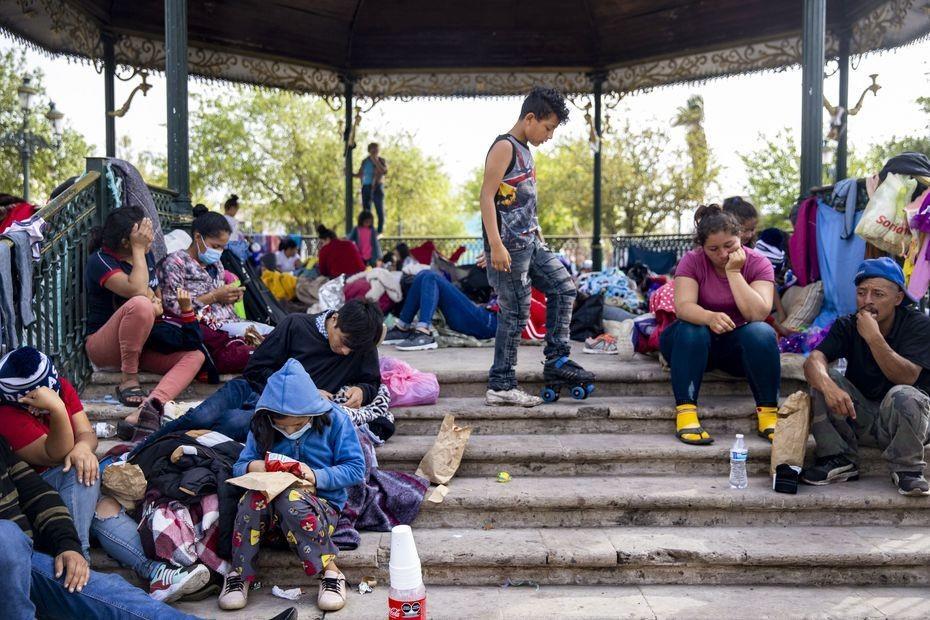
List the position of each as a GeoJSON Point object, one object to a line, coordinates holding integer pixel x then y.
{"type": "Point", "coordinates": [563, 372]}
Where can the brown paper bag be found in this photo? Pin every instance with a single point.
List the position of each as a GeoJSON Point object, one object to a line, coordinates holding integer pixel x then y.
{"type": "Point", "coordinates": [442, 460]}
{"type": "Point", "coordinates": [271, 483]}
{"type": "Point", "coordinates": [791, 431]}
{"type": "Point", "coordinates": [124, 482]}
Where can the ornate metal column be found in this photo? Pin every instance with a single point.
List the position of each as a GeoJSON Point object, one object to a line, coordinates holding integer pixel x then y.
{"type": "Point", "coordinates": [813, 33]}
{"type": "Point", "coordinates": [597, 252]}
{"type": "Point", "coordinates": [176, 84]}
{"type": "Point", "coordinates": [109, 97]}
{"type": "Point", "coordinates": [841, 147]}
{"type": "Point", "coordinates": [348, 142]}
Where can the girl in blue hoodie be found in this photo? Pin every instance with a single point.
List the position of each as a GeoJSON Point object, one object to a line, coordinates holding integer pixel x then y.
{"type": "Point", "coordinates": [293, 421]}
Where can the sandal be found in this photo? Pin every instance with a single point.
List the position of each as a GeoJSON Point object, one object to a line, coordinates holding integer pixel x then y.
{"type": "Point", "coordinates": [766, 424]}
{"type": "Point", "coordinates": [694, 430]}
{"type": "Point", "coordinates": [131, 397]}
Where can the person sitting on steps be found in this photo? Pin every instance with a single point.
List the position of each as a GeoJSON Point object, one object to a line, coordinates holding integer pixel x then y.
{"type": "Point", "coordinates": [431, 291]}
{"type": "Point", "coordinates": [337, 348]}
{"type": "Point", "coordinates": [723, 294]}
{"type": "Point", "coordinates": [121, 289]}
{"type": "Point", "coordinates": [337, 256]}
{"type": "Point", "coordinates": [881, 400]}
{"type": "Point", "coordinates": [295, 429]}
{"type": "Point", "coordinates": [199, 271]}
{"type": "Point", "coordinates": [43, 421]}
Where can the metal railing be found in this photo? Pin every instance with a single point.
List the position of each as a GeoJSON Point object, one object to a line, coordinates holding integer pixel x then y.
{"type": "Point", "coordinates": [59, 301]}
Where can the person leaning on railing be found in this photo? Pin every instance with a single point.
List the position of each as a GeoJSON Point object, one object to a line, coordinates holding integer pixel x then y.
{"type": "Point", "coordinates": [122, 305]}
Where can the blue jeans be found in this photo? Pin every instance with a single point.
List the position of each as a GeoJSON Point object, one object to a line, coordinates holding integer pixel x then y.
{"type": "Point", "coordinates": [748, 351]}
{"type": "Point", "coordinates": [31, 589]}
{"type": "Point", "coordinates": [535, 265]}
{"type": "Point", "coordinates": [229, 411]}
{"type": "Point", "coordinates": [431, 290]}
{"type": "Point", "coordinates": [118, 535]}
{"type": "Point", "coordinates": [374, 194]}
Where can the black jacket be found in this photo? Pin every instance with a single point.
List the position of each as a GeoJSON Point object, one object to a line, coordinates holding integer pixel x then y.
{"type": "Point", "coordinates": [185, 466]}
{"type": "Point", "coordinates": [297, 336]}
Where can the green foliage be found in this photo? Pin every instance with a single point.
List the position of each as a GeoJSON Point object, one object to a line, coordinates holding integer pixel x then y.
{"type": "Point", "coordinates": [49, 167]}
{"type": "Point", "coordinates": [772, 173]}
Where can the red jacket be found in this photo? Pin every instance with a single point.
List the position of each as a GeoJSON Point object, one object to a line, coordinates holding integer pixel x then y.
{"type": "Point", "coordinates": [19, 211]}
{"type": "Point", "coordinates": [340, 256]}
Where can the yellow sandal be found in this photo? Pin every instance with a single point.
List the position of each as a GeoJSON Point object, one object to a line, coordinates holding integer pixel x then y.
{"type": "Point", "coordinates": [688, 427]}
{"type": "Point", "coordinates": [767, 418]}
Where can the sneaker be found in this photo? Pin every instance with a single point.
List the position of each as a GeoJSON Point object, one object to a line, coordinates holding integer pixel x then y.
{"type": "Point", "coordinates": [235, 592]}
{"type": "Point", "coordinates": [418, 341]}
{"type": "Point", "coordinates": [332, 596]}
{"type": "Point", "coordinates": [396, 335]}
{"type": "Point", "coordinates": [830, 469]}
{"type": "Point", "coordinates": [910, 483]}
{"type": "Point", "coordinates": [171, 583]}
{"type": "Point", "coordinates": [513, 396]}
{"type": "Point", "coordinates": [602, 345]}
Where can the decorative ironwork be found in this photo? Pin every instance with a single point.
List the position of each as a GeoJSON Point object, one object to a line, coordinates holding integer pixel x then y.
{"type": "Point", "coordinates": [58, 280]}
{"type": "Point", "coordinates": [168, 214]}
{"type": "Point", "coordinates": [143, 88]}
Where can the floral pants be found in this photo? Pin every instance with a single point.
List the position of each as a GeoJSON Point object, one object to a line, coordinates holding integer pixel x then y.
{"type": "Point", "coordinates": [306, 521]}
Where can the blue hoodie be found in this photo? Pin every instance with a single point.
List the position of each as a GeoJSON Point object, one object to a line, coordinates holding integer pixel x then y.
{"type": "Point", "coordinates": [335, 456]}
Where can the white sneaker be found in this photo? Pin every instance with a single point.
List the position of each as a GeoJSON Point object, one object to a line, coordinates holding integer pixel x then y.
{"type": "Point", "coordinates": [513, 396]}
{"type": "Point", "coordinates": [235, 593]}
{"type": "Point", "coordinates": [169, 584]}
{"type": "Point", "coordinates": [332, 595]}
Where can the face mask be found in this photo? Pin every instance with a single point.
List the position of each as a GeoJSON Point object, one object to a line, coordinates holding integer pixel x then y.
{"type": "Point", "coordinates": [296, 434]}
{"type": "Point", "coordinates": [209, 256]}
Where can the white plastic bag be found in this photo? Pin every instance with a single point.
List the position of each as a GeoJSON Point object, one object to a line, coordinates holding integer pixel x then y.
{"type": "Point", "coordinates": [884, 222]}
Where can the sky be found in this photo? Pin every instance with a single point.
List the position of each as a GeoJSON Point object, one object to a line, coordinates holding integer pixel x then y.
{"type": "Point", "coordinates": [459, 131]}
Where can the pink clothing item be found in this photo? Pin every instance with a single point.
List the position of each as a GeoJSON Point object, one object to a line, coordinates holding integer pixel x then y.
{"type": "Point", "coordinates": [119, 344]}
{"type": "Point", "coordinates": [714, 293]}
{"type": "Point", "coordinates": [920, 278]}
{"type": "Point", "coordinates": [802, 246]}
{"type": "Point", "coordinates": [364, 241]}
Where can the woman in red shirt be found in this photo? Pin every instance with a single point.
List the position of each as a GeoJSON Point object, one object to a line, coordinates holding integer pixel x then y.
{"type": "Point", "coordinates": [338, 256]}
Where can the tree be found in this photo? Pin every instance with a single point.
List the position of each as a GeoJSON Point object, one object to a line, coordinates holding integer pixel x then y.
{"type": "Point", "coordinates": [49, 167]}
{"type": "Point", "coordinates": [772, 173]}
{"type": "Point", "coordinates": [878, 154]}
{"type": "Point", "coordinates": [701, 173]}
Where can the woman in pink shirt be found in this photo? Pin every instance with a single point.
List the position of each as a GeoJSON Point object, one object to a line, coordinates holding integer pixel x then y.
{"type": "Point", "coordinates": [723, 294]}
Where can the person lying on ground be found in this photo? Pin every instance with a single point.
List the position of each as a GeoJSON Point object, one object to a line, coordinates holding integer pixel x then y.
{"type": "Point", "coordinates": [881, 400]}
{"type": "Point", "coordinates": [337, 348]}
{"type": "Point", "coordinates": [121, 285]}
{"type": "Point", "coordinates": [723, 294]}
{"type": "Point", "coordinates": [431, 291]}
{"type": "Point", "coordinates": [198, 270]}
{"type": "Point", "coordinates": [295, 429]}
{"type": "Point", "coordinates": [46, 574]}
{"type": "Point", "coordinates": [338, 256]}
{"type": "Point", "coordinates": [43, 422]}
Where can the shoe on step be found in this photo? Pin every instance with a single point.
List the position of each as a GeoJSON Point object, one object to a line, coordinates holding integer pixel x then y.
{"type": "Point", "coordinates": [513, 397]}
{"type": "Point", "coordinates": [235, 593]}
{"type": "Point", "coordinates": [332, 596]}
{"type": "Point", "coordinates": [602, 345]}
{"type": "Point", "coordinates": [288, 614]}
{"type": "Point", "coordinates": [830, 469]}
{"type": "Point", "coordinates": [172, 582]}
{"type": "Point", "coordinates": [910, 483]}
{"type": "Point", "coordinates": [396, 335]}
{"type": "Point", "coordinates": [418, 341]}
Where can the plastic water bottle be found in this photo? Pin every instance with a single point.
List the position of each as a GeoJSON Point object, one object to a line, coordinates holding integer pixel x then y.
{"type": "Point", "coordinates": [738, 456]}
{"type": "Point", "coordinates": [407, 595]}
{"type": "Point", "coordinates": [105, 430]}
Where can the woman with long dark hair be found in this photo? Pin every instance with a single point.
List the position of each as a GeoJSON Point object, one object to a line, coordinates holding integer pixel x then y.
{"type": "Point", "coordinates": [723, 294]}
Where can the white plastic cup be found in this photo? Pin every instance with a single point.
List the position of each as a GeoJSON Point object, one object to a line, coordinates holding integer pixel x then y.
{"type": "Point", "coordinates": [404, 568]}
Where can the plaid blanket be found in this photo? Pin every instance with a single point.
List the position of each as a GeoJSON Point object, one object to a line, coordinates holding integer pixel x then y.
{"type": "Point", "coordinates": [184, 534]}
{"type": "Point", "coordinates": [385, 499]}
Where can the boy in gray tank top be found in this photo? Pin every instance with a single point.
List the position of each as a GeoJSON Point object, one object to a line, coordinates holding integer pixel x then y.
{"type": "Point", "coordinates": [517, 256]}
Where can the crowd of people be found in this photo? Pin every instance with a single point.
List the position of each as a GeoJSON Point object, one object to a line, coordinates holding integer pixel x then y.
{"type": "Point", "coordinates": [307, 396]}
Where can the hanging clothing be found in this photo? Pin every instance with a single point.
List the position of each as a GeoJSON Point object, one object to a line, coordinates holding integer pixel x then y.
{"type": "Point", "coordinates": [920, 277]}
{"type": "Point", "coordinates": [134, 192]}
{"type": "Point", "coordinates": [23, 259]}
{"type": "Point", "coordinates": [18, 212]}
{"type": "Point", "coordinates": [838, 261]}
{"type": "Point", "coordinates": [34, 227]}
{"type": "Point", "coordinates": [846, 193]}
{"type": "Point", "coordinates": [802, 246]}
{"type": "Point", "coordinates": [9, 339]}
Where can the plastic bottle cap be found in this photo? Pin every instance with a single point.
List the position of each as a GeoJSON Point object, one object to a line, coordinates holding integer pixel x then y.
{"type": "Point", "coordinates": [404, 567]}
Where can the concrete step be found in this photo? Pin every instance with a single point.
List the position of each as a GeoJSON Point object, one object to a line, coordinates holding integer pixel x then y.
{"type": "Point", "coordinates": [619, 602]}
{"type": "Point", "coordinates": [692, 500]}
{"type": "Point", "coordinates": [722, 415]}
{"type": "Point", "coordinates": [590, 455]}
{"type": "Point", "coordinates": [640, 555]}
{"type": "Point", "coordinates": [102, 385]}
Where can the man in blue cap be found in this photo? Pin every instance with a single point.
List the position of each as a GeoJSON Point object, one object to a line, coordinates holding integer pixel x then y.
{"type": "Point", "coordinates": [882, 399]}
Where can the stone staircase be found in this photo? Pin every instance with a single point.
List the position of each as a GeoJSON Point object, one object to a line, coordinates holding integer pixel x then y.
{"type": "Point", "coordinates": [606, 505]}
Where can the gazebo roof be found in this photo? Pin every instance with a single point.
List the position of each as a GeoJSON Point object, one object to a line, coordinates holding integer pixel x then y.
{"type": "Point", "coordinates": [401, 48]}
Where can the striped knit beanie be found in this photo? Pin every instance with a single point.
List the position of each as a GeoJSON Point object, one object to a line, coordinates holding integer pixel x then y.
{"type": "Point", "coordinates": [23, 370]}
